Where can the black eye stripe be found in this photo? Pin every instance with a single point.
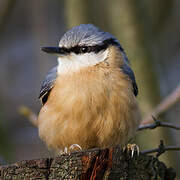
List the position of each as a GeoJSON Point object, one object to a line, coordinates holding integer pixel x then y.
{"type": "Point", "coordinates": [88, 49]}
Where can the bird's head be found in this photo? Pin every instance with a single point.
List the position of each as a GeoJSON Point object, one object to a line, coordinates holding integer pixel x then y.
{"type": "Point", "coordinates": [82, 46]}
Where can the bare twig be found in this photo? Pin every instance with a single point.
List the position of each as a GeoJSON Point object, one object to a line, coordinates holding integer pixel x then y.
{"type": "Point", "coordinates": [31, 116]}
{"type": "Point", "coordinates": [167, 103]}
{"type": "Point", "coordinates": [158, 123]}
{"type": "Point", "coordinates": [161, 149]}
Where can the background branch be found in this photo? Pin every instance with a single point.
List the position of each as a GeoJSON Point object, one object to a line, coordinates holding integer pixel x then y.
{"type": "Point", "coordinates": [158, 123]}
{"type": "Point", "coordinates": [166, 104]}
{"type": "Point", "coordinates": [29, 114]}
{"type": "Point", "coordinates": [161, 149]}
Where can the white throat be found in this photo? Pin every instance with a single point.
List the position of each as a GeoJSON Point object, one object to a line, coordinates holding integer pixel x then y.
{"type": "Point", "coordinates": [75, 62]}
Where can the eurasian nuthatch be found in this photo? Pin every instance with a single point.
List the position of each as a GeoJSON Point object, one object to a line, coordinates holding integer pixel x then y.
{"type": "Point", "coordinates": [89, 98]}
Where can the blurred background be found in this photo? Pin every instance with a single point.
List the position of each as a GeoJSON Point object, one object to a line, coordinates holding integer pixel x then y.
{"type": "Point", "coordinates": [149, 31]}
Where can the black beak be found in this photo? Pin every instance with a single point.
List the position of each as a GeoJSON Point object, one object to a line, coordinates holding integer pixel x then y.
{"type": "Point", "coordinates": [53, 50]}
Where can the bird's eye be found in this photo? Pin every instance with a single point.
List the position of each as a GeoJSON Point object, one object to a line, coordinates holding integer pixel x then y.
{"type": "Point", "coordinates": [84, 49]}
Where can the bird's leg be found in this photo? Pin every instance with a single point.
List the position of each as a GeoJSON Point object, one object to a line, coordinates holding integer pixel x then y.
{"type": "Point", "coordinates": [132, 148]}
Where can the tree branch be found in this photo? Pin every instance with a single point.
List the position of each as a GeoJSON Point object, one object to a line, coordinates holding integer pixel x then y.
{"type": "Point", "coordinates": [158, 123]}
{"type": "Point", "coordinates": [112, 163]}
{"type": "Point", "coordinates": [161, 149]}
{"type": "Point", "coordinates": [166, 104]}
{"type": "Point", "coordinates": [29, 114]}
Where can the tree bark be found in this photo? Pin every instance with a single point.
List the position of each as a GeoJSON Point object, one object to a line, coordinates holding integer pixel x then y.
{"type": "Point", "coordinates": [92, 164]}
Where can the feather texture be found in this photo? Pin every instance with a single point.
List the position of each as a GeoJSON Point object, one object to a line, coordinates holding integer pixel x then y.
{"type": "Point", "coordinates": [47, 85]}
{"type": "Point", "coordinates": [92, 107]}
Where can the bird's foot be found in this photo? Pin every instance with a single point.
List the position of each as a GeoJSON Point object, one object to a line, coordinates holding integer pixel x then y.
{"type": "Point", "coordinates": [132, 148]}
{"type": "Point", "coordinates": [61, 152]}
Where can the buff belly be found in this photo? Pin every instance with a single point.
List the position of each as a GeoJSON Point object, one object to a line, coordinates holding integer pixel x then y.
{"type": "Point", "coordinates": [91, 108]}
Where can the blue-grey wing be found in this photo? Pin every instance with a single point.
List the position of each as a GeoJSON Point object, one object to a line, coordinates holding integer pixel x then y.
{"type": "Point", "coordinates": [127, 70]}
{"type": "Point", "coordinates": [47, 85]}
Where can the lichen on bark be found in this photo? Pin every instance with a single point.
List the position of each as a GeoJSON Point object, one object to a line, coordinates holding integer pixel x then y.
{"type": "Point", "coordinates": [94, 164]}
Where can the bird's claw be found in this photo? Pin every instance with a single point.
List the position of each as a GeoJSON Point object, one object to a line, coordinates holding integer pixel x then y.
{"type": "Point", "coordinates": [132, 148]}
{"type": "Point", "coordinates": [63, 152]}
{"type": "Point", "coordinates": [73, 147]}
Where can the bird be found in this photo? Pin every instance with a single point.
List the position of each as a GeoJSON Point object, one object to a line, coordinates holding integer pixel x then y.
{"type": "Point", "coordinates": [89, 98]}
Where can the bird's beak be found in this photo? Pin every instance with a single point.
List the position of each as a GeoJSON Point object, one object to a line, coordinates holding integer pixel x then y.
{"type": "Point", "coordinates": [53, 50]}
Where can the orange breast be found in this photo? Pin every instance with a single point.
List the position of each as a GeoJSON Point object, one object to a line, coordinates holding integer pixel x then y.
{"type": "Point", "coordinates": [94, 107]}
